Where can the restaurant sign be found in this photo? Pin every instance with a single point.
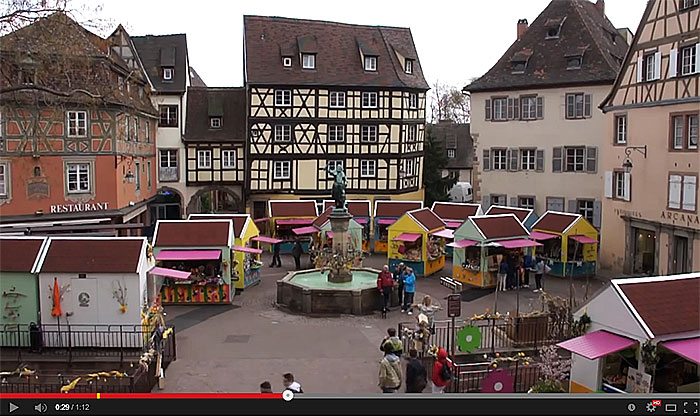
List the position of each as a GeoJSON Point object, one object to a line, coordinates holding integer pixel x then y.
{"type": "Point", "coordinates": [684, 219]}
{"type": "Point", "coordinates": [78, 207]}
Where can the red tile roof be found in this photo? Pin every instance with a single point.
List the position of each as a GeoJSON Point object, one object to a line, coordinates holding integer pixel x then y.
{"type": "Point", "coordinates": [192, 233]}
{"type": "Point", "coordinates": [555, 222]}
{"type": "Point", "coordinates": [19, 255]}
{"type": "Point", "coordinates": [323, 218]}
{"type": "Point", "coordinates": [520, 213]}
{"type": "Point", "coordinates": [500, 227]}
{"type": "Point", "coordinates": [427, 218]}
{"type": "Point", "coordinates": [395, 208]}
{"type": "Point", "coordinates": [238, 220]}
{"type": "Point", "coordinates": [455, 211]}
{"type": "Point", "coordinates": [76, 255]}
{"type": "Point", "coordinates": [358, 208]}
{"type": "Point", "coordinates": [666, 306]}
{"type": "Point", "coordinates": [293, 208]}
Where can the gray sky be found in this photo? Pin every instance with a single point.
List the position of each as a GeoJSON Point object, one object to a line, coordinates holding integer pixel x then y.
{"type": "Point", "coordinates": [456, 40]}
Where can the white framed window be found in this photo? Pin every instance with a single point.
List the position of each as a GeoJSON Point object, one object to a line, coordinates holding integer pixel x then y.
{"type": "Point", "coordinates": [168, 73]}
{"type": "Point", "coordinates": [500, 108]}
{"type": "Point", "coordinates": [4, 180]}
{"type": "Point", "coordinates": [168, 158]}
{"type": "Point", "coordinates": [687, 4]}
{"type": "Point", "coordinates": [370, 63]}
{"type": "Point", "coordinates": [413, 101]}
{"type": "Point", "coordinates": [228, 159]}
{"type": "Point", "coordinates": [527, 159]}
{"type": "Point", "coordinates": [204, 158]}
{"type": "Point", "coordinates": [283, 133]}
{"type": "Point", "coordinates": [136, 128]}
{"type": "Point", "coordinates": [282, 170]}
{"type": "Point", "coordinates": [499, 199]}
{"type": "Point", "coordinates": [137, 176]}
{"type": "Point", "coordinates": [409, 167]}
{"type": "Point", "coordinates": [283, 97]}
{"type": "Point", "coordinates": [621, 185]}
{"type": "Point", "coordinates": [168, 116]}
{"type": "Point", "coordinates": [526, 202]}
{"type": "Point", "coordinates": [77, 123]}
{"type": "Point", "coordinates": [411, 133]}
{"type": "Point", "coordinates": [368, 133]}
{"type": "Point", "coordinates": [585, 209]}
{"type": "Point", "coordinates": [336, 133]}
{"type": "Point", "coordinates": [368, 168]}
{"type": "Point", "coordinates": [693, 132]}
{"type": "Point", "coordinates": [682, 192]}
{"type": "Point", "coordinates": [500, 159]}
{"type": "Point", "coordinates": [621, 129]}
{"type": "Point", "coordinates": [337, 99]}
{"type": "Point", "coordinates": [308, 61]}
{"type": "Point", "coordinates": [127, 127]}
{"type": "Point", "coordinates": [369, 100]}
{"type": "Point", "coordinates": [578, 105]}
{"type": "Point", "coordinates": [689, 60]}
{"type": "Point", "coordinates": [148, 174]}
{"type": "Point", "coordinates": [215, 122]}
{"type": "Point", "coordinates": [678, 132]}
{"type": "Point", "coordinates": [649, 67]}
{"type": "Point", "coordinates": [409, 66]}
{"type": "Point", "coordinates": [148, 131]}
{"type": "Point", "coordinates": [332, 165]}
{"type": "Point", "coordinates": [575, 159]}
{"type": "Point", "coordinates": [529, 108]}
{"type": "Point", "coordinates": [451, 153]}
{"type": "Point", "coordinates": [78, 177]}
{"type": "Point", "coordinates": [287, 61]}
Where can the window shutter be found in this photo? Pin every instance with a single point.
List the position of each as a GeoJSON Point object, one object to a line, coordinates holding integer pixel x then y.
{"type": "Point", "coordinates": [487, 109]}
{"type": "Point", "coordinates": [592, 159]}
{"type": "Point", "coordinates": [539, 160]}
{"type": "Point", "coordinates": [608, 184]}
{"type": "Point", "coordinates": [597, 213]}
{"type": "Point", "coordinates": [697, 58]}
{"type": "Point", "coordinates": [573, 206]}
{"type": "Point", "coordinates": [657, 65]}
{"type": "Point", "coordinates": [509, 111]}
{"type": "Point", "coordinates": [514, 202]}
{"type": "Point", "coordinates": [689, 187]}
{"type": "Point", "coordinates": [587, 105]}
{"type": "Point", "coordinates": [626, 187]}
{"type": "Point", "coordinates": [487, 160]}
{"type": "Point", "coordinates": [556, 159]}
{"type": "Point", "coordinates": [540, 107]}
{"type": "Point", "coordinates": [640, 70]}
{"type": "Point", "coordinates": [674, 191]}
{"type": "Point", "coordinates": [516, 108]}
{"type": "Point", "coordinates": [486, 202]}
{"type": "Point", "coordinates": [673, 63]}
{"type": "Point", "coordinates": [513, 154]}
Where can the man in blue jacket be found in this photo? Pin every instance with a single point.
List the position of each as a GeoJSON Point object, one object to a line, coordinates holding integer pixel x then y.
{"type": "Point", "coordinates": [409, 290]}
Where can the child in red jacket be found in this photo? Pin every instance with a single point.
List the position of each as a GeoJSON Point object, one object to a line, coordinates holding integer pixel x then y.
{"type": "Point", "coordinates": [442, 372]}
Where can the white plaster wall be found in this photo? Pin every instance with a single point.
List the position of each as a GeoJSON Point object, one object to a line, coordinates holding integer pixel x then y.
{"type": "Point", "coordinates": [171, 138]}
{"type": "Point", "coordinates": [586, 372]}
{"type": "Point", "coordinates": [608, 312]}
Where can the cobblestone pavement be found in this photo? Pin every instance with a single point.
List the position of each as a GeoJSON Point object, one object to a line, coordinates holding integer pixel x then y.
{"type": "Point", "coordinates": [235, 349]}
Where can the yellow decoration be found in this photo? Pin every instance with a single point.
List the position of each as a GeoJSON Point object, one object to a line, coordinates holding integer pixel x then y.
{"type": "Point", "coordinates": [89, 377]}
{"type": "Point", "coordinates": [167, 333]}
{"type": "Point", "coordinates": [122, 308]}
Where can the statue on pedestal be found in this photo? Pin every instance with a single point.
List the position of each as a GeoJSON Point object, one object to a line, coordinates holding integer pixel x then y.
{"type": "Point", "coordinates": [338, 186]}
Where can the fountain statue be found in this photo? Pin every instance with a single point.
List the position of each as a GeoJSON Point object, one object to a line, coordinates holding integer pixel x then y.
{"type": "Point", "coordinates": [341, 256]}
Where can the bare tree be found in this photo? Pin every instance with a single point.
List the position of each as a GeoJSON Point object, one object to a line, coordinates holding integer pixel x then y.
{"type": "Point", "coordinates": [449, 103]}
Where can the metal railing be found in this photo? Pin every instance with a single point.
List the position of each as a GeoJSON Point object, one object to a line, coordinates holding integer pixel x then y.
{"type": "Point", "coordinates": [470, 377]}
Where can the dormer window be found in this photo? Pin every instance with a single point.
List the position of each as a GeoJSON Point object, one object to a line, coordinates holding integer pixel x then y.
{"type": "Point", "coordinates": [409, 66]}
{"type": "Point", "coordinates": [287, 61]}
{"type": "Point", "coordinates": [215, 122]}
{"type": "Point", "coordinates": [168, 74]}
{"type": "Point", "coordinates": [573, 62]}
{"type": "Point", "coordinates": [370, 63]}
{"type": "Point", "coordinates": [308, 61]}
{"type": "Point", "coordinates": [553, 27]}
{"type": "Point", "coordinates": [26, 76]}
{"type": "Point", "coordinates": [519, 61]}
{"type": "Point", "coordinates": [519, 67]}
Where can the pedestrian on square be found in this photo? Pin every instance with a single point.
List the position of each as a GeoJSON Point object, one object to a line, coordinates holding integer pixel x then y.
{"type": "Point", "coordinates": [529, 264]}
{"type": "Point", "coordinates": [442, 372]}
{"type": "Point", "coordinates": [512, 279]}
{"type": "Point", "coordinates": [391, 343]}
{"type": "Point", "coordinates": [409, 290]}
{"type": "Point", "coordinates": [541, 268]}
{"type": "Point", "coordinates": [428, 309]}
{"type": "Point", "coordinates": [297, 251]}
{"type": "Point", "coordinates": [276, 261]}
{"type": "Point", "coordinates": [266, 387]}
{"type": "Point", "coordinates": [416, 375]}
{"type": "Point", "coordinates": [291, 384]}
{"type": "Point", "coordinates": [385, 284]}
{"type": "Point", "coordinates": [390, 372]}
{"type": "Point", "coordinates": [399, 276]}
{"type": "Point", "coordinates": [502, 274]}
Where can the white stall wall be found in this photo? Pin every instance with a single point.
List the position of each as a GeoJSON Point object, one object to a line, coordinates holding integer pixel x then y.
{"type": "Point", "coordinates": [586, 372]}
{"type": "Point", "coordinates": [608, 312]}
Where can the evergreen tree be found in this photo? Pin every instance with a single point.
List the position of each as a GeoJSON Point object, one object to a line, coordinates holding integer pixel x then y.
{"type": "Point", "coordinates": [437, 187]}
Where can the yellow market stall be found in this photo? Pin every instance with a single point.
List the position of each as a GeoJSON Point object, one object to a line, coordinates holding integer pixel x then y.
{"type": "Point", "coordinates": [415, 240]}
{"type": "Point", "coordinates": [386, 212]}
{"type": "Point", "coordinates": [287, 215]}
{"type": "Point", "coordinates": [361, 211]}
{"type": "Point", "coordinates": [570, 243]}
{"type": "Point", "coordinates": [454, 214]}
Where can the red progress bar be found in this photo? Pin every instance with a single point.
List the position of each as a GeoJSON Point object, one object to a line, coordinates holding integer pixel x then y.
{"type": "Point", "coordinates": [157, 395]}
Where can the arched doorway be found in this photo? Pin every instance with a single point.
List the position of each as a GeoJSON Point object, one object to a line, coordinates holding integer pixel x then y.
{"type": "Point", "coordinates": [167, 205]}
{"type": "Point", "coordinates": [215, 199]}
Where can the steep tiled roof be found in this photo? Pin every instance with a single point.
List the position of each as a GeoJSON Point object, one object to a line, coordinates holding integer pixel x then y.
{"type": "Point", "coordinates": [165, 50]}
{"type": "Point", "coordinates": [117, 255]}
{"type": "Point", "coordinates": [227, 103]}
{"type": "Point", "coordinates": [584, 28]}
{"type": "Point", "coordinates": [323, 218]}
{"type": "Point", "coordinates": [555, 221]}
{"type": "Point", "coordinates": [192, 233]}
{"type": "Point", "coordinates": [239, 220]}
{"type": "Point", "coordinates": [428, 219]}
{"type": "Point", "coordinates": [195, 79]}
{"type": "Point", "coordinates": [395, 208]}
{"type": "Point", "coordinates": [358, 208]}
{"type": "Point", "coordinates": [337, 47]}
{"type": "Point", "coordinates": [500, 226]}
{"type": "Point", "coordinates": [292, 208]}
{"type": "Point", "coordinates": [455, 136]}
{"type": "Point", "coordinates": [455, 211]}
{"type": "Point", "coordinates": [19, 255]}
{"type": "Point", "coordinates": [521, 213]}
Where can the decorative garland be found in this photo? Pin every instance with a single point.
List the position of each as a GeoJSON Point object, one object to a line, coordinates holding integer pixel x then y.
{"type": "Point", "coordinates": [89, 377]}
{"type": "Point", "coordinates": [520, 357]}
{"type": "Point", "coordinates": [18, 372]}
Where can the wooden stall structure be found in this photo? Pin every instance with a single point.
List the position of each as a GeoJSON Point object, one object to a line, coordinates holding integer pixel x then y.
{"type": "Point", "coordinates": [287, 215]}
{"type": "Point", "coordinates": [361, 211]}
{"type": "Point", "coordinates": [570, 243]}
{"type": "Point", "coordinates": [415, 240]}
{"type": "Point", "coordinates": [526, 216]}
{"type": "Point", "coordinates": [386, 213]}
{"type": "Point", "coordinates": [322, 235]}
{"type": "Point", "coordinates": [454, 214]}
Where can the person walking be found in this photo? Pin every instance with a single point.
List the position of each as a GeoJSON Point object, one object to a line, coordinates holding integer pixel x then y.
{"type": "Point", "coordinates": [291, 384]}
{"type": "Point", "coordinates": [529, 266]}
{"type": "Point", "coordinates": [385, 284]}
{"type": "Point", "coordinates": [428, 309]}
{"type": "Point", "coordinates": [541, 268]}
{"type": "Point", "coordinates": [511, 278]}
{"type": "Point", "coordinates": [391, 343]}
{"type": "Point", "coordinates": [442, 372]}
{"type": "Point", "coordinates": [409, 290]}
{"type": "Point", "coordinates": [276, 261]}
{"type": "Point", "coordinates": [399, 271]}
{"type": "Point", "coordinates": [390, 372]}
{"type": "Point", "coordinates": [297, 251]}
{"type": "Point", "coordinates": [502, 274]}
{"type": "Point", "coordinates": [266, 387]}
{"type": "Point", "coordinates": [416, 374]}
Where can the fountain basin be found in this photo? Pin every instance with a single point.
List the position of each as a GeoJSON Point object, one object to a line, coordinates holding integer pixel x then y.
{"type": "Point", "coordinates": [310, 292]}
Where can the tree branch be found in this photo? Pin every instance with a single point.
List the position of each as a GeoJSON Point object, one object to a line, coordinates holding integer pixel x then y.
{"type": "Point", "coordinates": [50, 91]}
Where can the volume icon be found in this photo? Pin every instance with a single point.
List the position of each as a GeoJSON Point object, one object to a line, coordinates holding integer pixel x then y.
{"type": "Point", "coordinates": [40, 408]}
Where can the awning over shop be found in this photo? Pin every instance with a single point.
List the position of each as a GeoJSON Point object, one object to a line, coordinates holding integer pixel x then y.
{"type": "Point", "coordinates": [446, 233]}
{"type": "Point", "coordinates": [247, 250]}
{"type": "Point", "coordinates": [542, 236]}
{"type": "Point", "coordinates": [261, 219]}
{"type": "Point", "coordinates": [583, 239]}
{"type": "Point", "coordinates": [408, 237]}
{"type": "Point", "coordinates": [266, 239]}
{"type": "Point", "coordinates": [687, 348]}
{"type": "Point", "coordinates": [464, 243]}
{"type": "Point", "coordinates": [188, 255]}
{"type": "Point", "coordinates": [386, 221]}
{"type": "Point", "coordinates": [294, 221]}
{"type": "Point", "coordinates": [361, 220]}
{"type": "Point", "coordinates": [518, 243]}
{"type": "Point", "coordinates": [597, 344]}
{"type": "Point", "coordinates": [453, 225]}
{"type": "Point", "coordinates": [171, 273]}
{"type": "Point", "coordinates": [305, 230]}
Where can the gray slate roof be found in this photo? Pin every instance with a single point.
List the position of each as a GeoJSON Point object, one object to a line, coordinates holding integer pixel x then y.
{"type": "Point", "coordinates": [161, 51]}
{"type": "Point", "coordinates": [227, 103]}
{"type": "Point", "coordinates": [455, 136]}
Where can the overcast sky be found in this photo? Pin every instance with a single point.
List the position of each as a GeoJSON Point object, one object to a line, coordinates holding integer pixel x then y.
{"type": "Point", "coordinates": [456, 40]}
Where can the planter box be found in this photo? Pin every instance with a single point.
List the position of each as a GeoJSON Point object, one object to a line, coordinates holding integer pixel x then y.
{"type": "Point", "coordinates": [528, 330]}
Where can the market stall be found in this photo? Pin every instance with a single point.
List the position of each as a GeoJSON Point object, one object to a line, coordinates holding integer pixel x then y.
{"type": "Point", "coordinates": [526, 216]}
{"type": "Point", "coordinates": [246, 257]}
{"type": "Point", "coordinates": [361, 211]}
{"type": "Point", "coordinates": [454, 214]}
{"type": "Point", "coordinates": [287, 215]}
{"type": "Point", "coordinates": [204, 249]}
{"type": "Point", "coordinates": [480, 244]}
{"type": "Point", "coordinates": [570, 243]}
{"type": "Point", "coordinates": [386, 213]}
{"type": "Point", "coordinates": [415, 240]}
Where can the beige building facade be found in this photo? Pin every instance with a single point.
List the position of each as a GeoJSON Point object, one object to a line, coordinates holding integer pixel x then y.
{"type": "Point", "coordinates": [651, 162]}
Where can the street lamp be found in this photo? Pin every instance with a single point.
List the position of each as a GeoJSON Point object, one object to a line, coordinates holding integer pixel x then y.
{"type": "Point", "coordinates": [129, 177]}
{"type": "Point", "coordinates": [627, 164]}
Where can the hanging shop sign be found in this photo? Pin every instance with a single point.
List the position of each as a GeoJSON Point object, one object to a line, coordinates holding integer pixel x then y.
{"type": "Point", "coordinates": [78, 207]}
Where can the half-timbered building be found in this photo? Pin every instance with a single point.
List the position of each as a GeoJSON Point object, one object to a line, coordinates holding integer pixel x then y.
{"type": "Point", "coordinates": [322, 95]}
{"type": "Point", "coordinates": [77, 130]}
{"type": "Point", "coordinates": [650, 159]}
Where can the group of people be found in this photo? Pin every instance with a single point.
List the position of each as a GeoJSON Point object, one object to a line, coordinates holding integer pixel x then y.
{"type": "Point", "coordinates": [514, 272]}
{"type": "Point", "coordinates": [404, 279]}
{"type": "Point", "coordinates": [297, 251]}
{"type": "Point", "coordinates": [391, 376]}
{"type": "Point", "coordinates": [288, 382]}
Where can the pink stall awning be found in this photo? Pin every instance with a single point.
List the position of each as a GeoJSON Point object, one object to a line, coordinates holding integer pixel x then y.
{"type": "Point", "coordinates": [687, 348]}
{"type": "Point", "coordinates": [446, 233]}
{"type": "Point", "coordinates": [460, 244]}
{"type": "Point", "coordinates": [407, 237]}
{"type": "Point", "coordinates": [542, 236]}
{"type": "Point", "coordinates": [266, 239]}
{"type": "Point", "coordinates": [597, 344]}
{"type": "Point", "coordinates": [518, 243]}
{"type": "Point", "coordinates": [305, 230]}
{"type": "Point", "coordinates": [261, 219]}
{"type": "Point", "coordinates": [386, 221]}
{"type": "Point", "coordinates": [583, 239]}
{"type": "Point", "coordinates": [294, 221]}
{"type": "Point", "coordinates": [453, 225]}
{"type": "Point", "coordinates": [247, 250]}
{"type": "Point", "coordinates": [361, 220]}
{"type": "Point", "coordinates": [170, 273]}
{"type": "Point", "coordinates": [188, 255]}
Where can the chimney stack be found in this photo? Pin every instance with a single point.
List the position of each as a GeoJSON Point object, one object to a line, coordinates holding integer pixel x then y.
{"type": "Point", "coordinates": [522, 27]}
{"type": "Point", "coordinates": [600, 5]}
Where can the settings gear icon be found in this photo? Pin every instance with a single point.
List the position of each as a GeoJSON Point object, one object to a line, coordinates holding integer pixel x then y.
{"type": "Point", "coordinates": [651, 407]}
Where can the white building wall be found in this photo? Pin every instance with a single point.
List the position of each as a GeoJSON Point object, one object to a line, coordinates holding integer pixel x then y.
{"type": "Point", "coordinates": [171, 138]}
{"type": "Point", "coordinates": [586, 372]}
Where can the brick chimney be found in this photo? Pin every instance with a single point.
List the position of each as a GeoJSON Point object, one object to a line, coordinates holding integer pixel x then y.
{"type": "Point", "coordinates": [600, 5]}
{"type": "Point", "coordinates": [522, 27]}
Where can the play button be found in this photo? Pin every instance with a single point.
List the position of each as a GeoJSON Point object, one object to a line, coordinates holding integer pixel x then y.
{"type": "Point", "coordinates": [13, 408]}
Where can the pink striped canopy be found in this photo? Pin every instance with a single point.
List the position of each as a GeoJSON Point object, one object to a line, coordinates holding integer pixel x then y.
{"type": "Point", "coordinates": [687, 348]}
{"type": "Point", "coordinates": [188, 255]}
{"type": "Point", "coordinates": [583, 239]}
{"type": "Point", "coordinates": [518, 243]}
{"type": "Point", "coordinates": [386, 221]}
{"type": "Point", "coordinates": [171, 273]}
{"type": "Point", "coordinates": [294, 221]}
{"type": "Point", "coordinates": [597, 344]}
{"type": "Point", "coordinates": [266, 239]}
{"type": "Point", "coordinates": [247, 250]}
{"type": "Point", "coordinates": [542, 236]}
{"type": "Point", "coordinates": [407, 237]}
{"type": "Point", "coordinates": [464, 243]}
